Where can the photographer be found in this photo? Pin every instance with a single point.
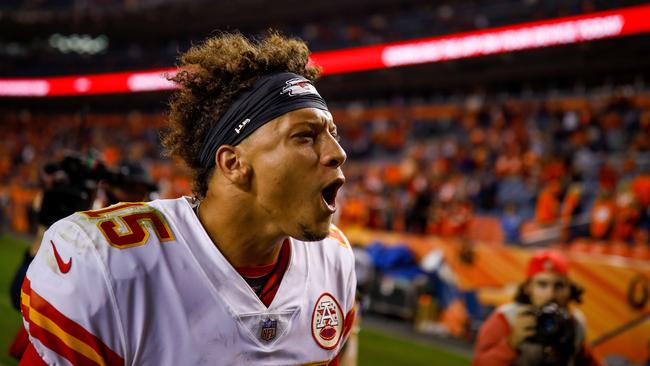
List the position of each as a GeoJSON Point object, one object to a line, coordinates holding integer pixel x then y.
{"type": "Point", "coordinates": [76, 184]}
{"type": "Point", "coordinates": [538, 328]}
{"type": "Point", "coordinates": [128, 182]}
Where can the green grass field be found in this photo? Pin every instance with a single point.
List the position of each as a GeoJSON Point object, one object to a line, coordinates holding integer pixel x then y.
{"type": "Point", "coordinates": [375, 348]}
{"type": "Point", "coordinates": [11, 252]}
{"type": "Point", "coordinates": [378, 349]}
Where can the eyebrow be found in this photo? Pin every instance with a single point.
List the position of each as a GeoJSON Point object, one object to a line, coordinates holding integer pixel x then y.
{"type": "Point", "coordinates": [548, 281]}
{"type": "Point", "coordinates": [316, 125]}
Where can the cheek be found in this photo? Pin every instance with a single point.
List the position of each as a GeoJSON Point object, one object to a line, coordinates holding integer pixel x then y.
{"type": "Point", "coordinates": [282, 184]}
{"type": "Point", "coordinates": [539, 295]}
{"type": "Point", "coordinates": [564, 294]}
{"type": "Point", "coordinates": [284, 177]}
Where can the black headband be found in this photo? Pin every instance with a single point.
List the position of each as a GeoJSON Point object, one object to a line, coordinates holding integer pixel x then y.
{"type": "Point", "coordinates": [270, 97]}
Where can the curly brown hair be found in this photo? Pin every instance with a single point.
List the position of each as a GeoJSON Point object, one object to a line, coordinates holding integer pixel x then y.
{"type": "Point", "coordinates": [212, 75]}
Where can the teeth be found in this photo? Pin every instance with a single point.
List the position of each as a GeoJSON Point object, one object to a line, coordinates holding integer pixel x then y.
{"type": "Point", "coordinates": [326, 199]}
{"type": "Point", "coordinates": [331, 207]}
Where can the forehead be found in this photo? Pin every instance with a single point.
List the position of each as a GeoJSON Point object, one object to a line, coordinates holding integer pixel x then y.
{"type": "Point", "coordinates": [306, 115]}
{"type": "Point", "coordinates": [548, 277]}
{"type": "Point", "coordinates": [269, 135]}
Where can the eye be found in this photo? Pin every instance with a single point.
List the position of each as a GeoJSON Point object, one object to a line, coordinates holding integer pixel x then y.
{"type": "Point", "coordinates": [541, 283]}
{"type": "Point", "coordinates": [560, 285]}
{"type": "Point", "coordinates": [335, 134]}
{"type": "Point", "coordinates": [305, 136]}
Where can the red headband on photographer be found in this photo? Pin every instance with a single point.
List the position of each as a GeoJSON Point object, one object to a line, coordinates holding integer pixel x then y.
{"type": "Point", "coordinates": [548, 261]}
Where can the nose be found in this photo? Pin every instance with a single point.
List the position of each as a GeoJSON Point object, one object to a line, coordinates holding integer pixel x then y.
{"type": "Point", "coordinates": [333, 155]}
{"type": "Point", "coordinates": [550, 294]}
{"type": "Point", "coordinates": [541, 295]}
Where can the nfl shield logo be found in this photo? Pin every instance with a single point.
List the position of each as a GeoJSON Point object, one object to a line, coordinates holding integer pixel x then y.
{"type": "Point", "coordinates": [268, 329]}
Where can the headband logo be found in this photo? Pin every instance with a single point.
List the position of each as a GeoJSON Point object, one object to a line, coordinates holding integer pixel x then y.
{"type": "Point", "coordinates": [242, 125]}
{"type": "Point", "coordinates": [299, 86]}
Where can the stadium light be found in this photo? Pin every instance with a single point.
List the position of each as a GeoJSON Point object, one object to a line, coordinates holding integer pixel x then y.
{"type": "Point", "coordinates": [545, 33]}
{"type": "Point", "coordinates": [80, 44]}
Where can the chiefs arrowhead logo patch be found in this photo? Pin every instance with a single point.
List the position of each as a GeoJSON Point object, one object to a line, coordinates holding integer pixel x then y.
{"type": "Point", "coordinates": [327, 322]}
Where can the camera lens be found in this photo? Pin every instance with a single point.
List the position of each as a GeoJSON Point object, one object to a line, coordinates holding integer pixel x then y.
{"type": "Point", "coordinates": [548, 324]}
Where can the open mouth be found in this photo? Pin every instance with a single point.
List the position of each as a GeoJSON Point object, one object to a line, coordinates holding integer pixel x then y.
{"type": "Point", "coordinates": [329, 193]}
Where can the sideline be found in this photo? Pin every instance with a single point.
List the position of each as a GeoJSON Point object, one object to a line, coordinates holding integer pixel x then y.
{"type": "Point", "coordinates": [402, 329]}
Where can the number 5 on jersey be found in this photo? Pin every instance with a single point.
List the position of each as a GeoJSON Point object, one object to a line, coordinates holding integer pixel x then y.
{"type": "Point", "coordinates": [127, 229]}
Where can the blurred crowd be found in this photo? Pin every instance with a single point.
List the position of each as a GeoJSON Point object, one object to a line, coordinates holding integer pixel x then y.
{"type": "Point", "coordinates": [426, 19]}
{"type": "Point", "coordinates": [558, 169]}
{"type": "Point", "coordinates": [549, 169]}
{"type": "Point", "coordinates": [30, 141]}
{"type": "Point", "coordinates": [386, 23]}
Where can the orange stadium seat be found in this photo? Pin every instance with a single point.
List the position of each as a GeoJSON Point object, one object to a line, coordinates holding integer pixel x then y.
{"type": "Point", "coordinates": [486, 229]}
{"type": "Point", "coordinates": [618, 248]}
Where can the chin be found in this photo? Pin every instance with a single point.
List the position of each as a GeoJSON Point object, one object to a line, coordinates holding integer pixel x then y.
{"type": "Point", "coordinates": [313, 233]}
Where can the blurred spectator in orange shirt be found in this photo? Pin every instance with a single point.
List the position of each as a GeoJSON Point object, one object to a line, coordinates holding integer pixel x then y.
{"type": "Point", "coordinates": [548, 204]}
{"type": "Point", "coordinates": [354, 212]}
{"type": "Point", "coordinates": [571, 202]}
{"type": "Point", "coordinates": [641, 188]}
{"type": "Point", "coordinates": [456, 219]}
{"type": "Point", "coordinates": [572, 210]}
{"type": "Point", "coordinates": [602, 216]}
{"type": "Point", "coordinates": [626, 216]}
{"type": "Point", "coordinates": [604, 208]}
{"type": "Point", "coordinates": [510, 162]}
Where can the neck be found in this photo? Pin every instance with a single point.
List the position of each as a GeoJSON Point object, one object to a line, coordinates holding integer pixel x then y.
{"type": "Point", "coordinates": [241, 236]}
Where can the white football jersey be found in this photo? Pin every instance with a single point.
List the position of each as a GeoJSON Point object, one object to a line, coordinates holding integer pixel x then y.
{"type": "Point", "coordinates": [143, 284]}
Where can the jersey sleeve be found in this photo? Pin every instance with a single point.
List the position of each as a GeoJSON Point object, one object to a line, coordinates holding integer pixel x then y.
{"type": "Point", "coordinates": [67, 301]}
{"type": "Point", "coordinates": [492, 346]}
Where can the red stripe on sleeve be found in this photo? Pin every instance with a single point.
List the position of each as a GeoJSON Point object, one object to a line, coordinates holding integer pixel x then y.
{"type": "Point", "coordinates": [41, 305]}
{"type": "Point", "coordinates": [349, 322]}
{"type": "Point", "coordinates": [54, 343]}
{"type": "Point", "coordinates": [347, 327]}
{"type": "Point", "coordinates": [335, 361]}
{"type": "Point", "coordinates": [19, 344]}
{"type": "Point", "coordinates": [31, 357]}
{"type": "Point", "coordinates": [26, 286]}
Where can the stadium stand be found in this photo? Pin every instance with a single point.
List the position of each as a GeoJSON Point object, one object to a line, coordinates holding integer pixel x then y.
{"type": "Point", "coordinates": [568, 167]}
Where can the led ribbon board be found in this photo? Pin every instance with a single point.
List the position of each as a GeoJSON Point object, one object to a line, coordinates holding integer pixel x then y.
{"type": "Point", "coordinates": [545, 33]}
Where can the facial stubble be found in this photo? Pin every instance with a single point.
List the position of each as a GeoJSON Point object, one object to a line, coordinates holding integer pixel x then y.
{"type": "Point", "coordinates": [310, 235]}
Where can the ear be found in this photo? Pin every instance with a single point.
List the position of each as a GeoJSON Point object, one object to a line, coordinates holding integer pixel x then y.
{"type": "Point", "coordinates": [233, 166]}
